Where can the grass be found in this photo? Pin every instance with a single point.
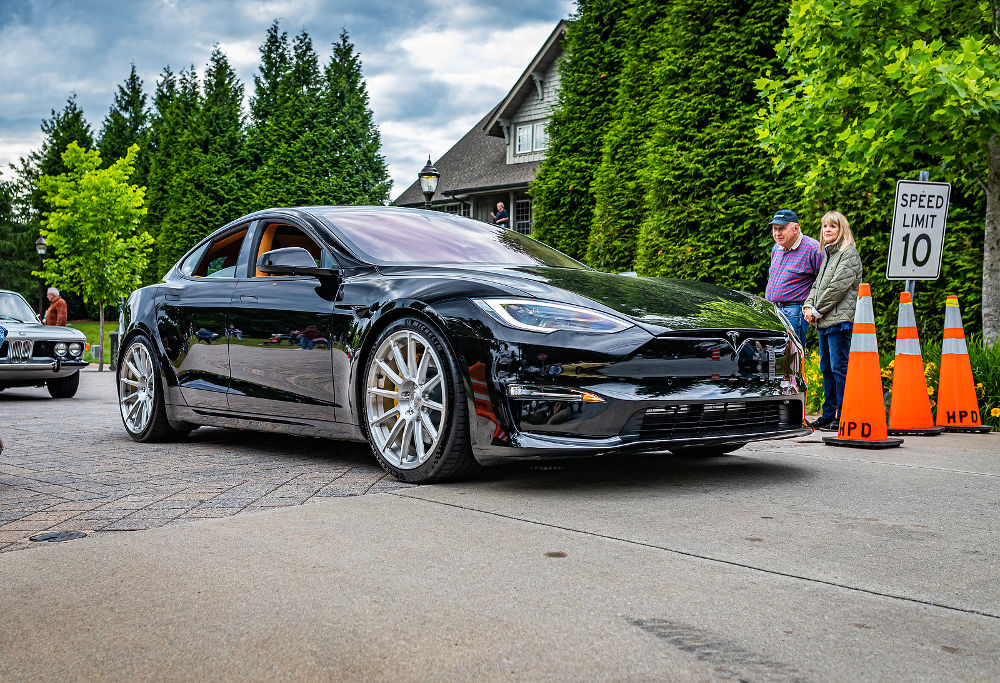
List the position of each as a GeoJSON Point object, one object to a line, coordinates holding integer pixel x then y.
{"type": "Point", "coordinates": [93, 332]}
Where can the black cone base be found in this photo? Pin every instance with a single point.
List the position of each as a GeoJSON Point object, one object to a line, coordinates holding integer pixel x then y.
{"type": "Point", "coordinates": [854, 443]}
{"type": "Point", "coordinates": [930, 431]}
{"type": "Point", "coordinates": [984, 429]}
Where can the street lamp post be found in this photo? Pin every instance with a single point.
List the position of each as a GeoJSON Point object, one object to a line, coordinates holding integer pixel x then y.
{"type": "Point", "coordinates": [428, 181]}
{"type": "Point", "coordinates": [40, 248]}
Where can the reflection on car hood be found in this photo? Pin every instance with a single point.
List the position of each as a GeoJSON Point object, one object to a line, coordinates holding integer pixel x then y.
{"type": "Point", "coordinates": [649, 301]}
{"type": "Point", "coordinates": [35, 330]}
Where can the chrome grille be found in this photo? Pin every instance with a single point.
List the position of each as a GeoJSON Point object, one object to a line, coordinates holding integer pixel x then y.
{"type": "Point", "coordinates": [18, 350]}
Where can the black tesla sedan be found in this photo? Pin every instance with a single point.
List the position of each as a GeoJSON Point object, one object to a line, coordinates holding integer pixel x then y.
{"type": "Point", "coordinates": [446, 343]}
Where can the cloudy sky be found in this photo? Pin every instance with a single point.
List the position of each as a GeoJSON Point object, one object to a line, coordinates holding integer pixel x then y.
{"type": "Point", "coordinates": [433, 67]}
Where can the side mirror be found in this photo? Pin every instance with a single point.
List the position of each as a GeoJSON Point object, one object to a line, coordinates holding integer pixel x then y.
{"type": "Point", "coordinates": [290, 261]}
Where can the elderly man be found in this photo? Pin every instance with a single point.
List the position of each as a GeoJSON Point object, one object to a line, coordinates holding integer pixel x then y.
{"type": "Point", "coordinates": [56, 312]}
{"type": "Point", "coordinates": [501, 217]}
{"type": "Point", "coordinates": [795, 262]}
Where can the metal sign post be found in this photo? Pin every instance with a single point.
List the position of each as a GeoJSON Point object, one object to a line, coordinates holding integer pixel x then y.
{"type": "Point", "coordinates": [919, 219]}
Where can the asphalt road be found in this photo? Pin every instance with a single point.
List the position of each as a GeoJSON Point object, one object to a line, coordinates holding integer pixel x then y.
{"type": "Point", "coordinates": [790, 560]}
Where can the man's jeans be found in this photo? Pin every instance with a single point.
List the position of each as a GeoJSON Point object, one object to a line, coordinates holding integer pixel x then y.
{"type": "Point", "coordinates": [834, 350]}
{"type": "Point", "coordinates": [799, 324]}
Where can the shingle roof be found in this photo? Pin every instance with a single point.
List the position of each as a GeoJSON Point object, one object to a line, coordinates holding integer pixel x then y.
{"type": "Point", "coordinates": [476, 162]}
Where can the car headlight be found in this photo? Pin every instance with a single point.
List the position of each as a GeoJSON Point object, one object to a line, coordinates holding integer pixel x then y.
{"type": "Point", "coordinates": [549, 316]}
{"type": "Point", "coordinates": [60, 348]}
{"type": "Point", "coordinates": [75, 349]}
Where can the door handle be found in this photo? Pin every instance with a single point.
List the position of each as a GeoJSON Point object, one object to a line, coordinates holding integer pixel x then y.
{"type": "Point", "coordinates": [172, 297]}
{"type": "Point", "coordinates": [248, 299]}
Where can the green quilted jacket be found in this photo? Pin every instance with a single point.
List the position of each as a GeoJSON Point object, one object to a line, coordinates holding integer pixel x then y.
{"type": "Point", "coordinates": [834, 294]}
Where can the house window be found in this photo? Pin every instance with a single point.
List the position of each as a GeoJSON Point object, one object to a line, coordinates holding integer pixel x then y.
{"type": "Point", "coordinates": [541, 137]}
{"type": "Point", "coordinates": [522, 216]}
{"type": "Point", "coordinates": [523, 139]}
{"type": "Point", "coordinates": [459, 209]}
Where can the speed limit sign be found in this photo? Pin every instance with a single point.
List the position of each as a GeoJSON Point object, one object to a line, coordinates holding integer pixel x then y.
{"type": "Point", "coordinates": [918, 223]}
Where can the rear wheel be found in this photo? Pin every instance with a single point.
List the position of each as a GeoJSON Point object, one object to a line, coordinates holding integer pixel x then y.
{"type": "Point", "coordinates": [414, 406]}
{"type": "Point", "coordinates": [64, 387]}
{"type": "Point", "coordinates": [707, 451]}
{"type": "Point", "coordinates": [140, 395]}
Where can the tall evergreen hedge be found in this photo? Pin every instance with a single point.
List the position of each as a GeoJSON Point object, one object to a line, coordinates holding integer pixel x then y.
{"type": "Point", "coordinates": [589, 75]}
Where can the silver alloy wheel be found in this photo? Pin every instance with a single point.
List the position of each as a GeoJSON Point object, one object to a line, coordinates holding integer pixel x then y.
{"type": "Point", "coordinates": [406, 399]}
{"type": "Point", "coordinates": [136, 388]}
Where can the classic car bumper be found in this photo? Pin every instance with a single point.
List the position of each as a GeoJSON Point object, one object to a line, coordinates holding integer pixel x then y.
{"type": "Point", "coordinates": [39, 371]}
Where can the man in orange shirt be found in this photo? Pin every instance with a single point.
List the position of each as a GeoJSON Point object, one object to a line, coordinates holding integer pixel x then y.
{"type": "Point", "coordinates": [56, 312]}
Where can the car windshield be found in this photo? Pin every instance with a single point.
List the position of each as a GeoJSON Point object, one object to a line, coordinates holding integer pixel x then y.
{"type": "Point", "coordinates": [14, 307]}
{"type": "Point", "coordinates": [397, 237]}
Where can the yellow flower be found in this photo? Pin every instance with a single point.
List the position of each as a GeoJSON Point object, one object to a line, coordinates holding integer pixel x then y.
{"type": "Point", "coordinates": [979, 385]}
{"type": "Point", "coordinates": [995, 412]}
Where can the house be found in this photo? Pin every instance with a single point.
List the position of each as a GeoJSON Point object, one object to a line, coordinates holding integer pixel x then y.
{"type": "Point", "coordinates": [496, 160]}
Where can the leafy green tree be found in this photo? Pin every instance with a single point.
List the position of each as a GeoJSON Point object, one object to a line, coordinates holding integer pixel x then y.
{"type": "Point", "coordinates": [93, 226]}
{"type": "Point", "coordinates": [873, 88]}
{"type": "Point", "coordinates": [563, 199]}
{"type": "Point", "coordinates": [709, 189]}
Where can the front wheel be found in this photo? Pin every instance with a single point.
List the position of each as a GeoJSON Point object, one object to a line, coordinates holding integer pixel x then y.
{"type": "Point", "coordinates": [706, 451]}
{"type": "Point", "coordinates": [64, 387]}
{"type": "Point", "coordinates": [414, 406]}
{"type": "Point", "coordinates": [140, 395]}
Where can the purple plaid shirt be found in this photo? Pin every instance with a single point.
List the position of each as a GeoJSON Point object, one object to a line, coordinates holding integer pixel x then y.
{"type": "Point", "coordinates": [792, 272]}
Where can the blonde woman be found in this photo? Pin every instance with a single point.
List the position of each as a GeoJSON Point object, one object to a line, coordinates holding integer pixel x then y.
{"type": "Point", "coordinates": [830, 307]}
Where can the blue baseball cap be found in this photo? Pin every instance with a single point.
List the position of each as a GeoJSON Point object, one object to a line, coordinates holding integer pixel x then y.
{"type": "Point", "coordinates": [784, 217]}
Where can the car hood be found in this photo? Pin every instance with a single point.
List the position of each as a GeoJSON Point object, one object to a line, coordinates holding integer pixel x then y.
{"type": "Point", "coordinates": [35, 330]}
{"type": "Point", "coordinates": [658, 304]}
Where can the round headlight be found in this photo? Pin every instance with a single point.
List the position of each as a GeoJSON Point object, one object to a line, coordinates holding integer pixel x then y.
{"type": "Point", "coordinates": [60, 348]}
{"type": "Point", "coordinates": [75, 349]}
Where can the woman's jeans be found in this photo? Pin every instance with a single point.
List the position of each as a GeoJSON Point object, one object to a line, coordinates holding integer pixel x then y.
{"type": "Point", "coordinates": [834, 349]}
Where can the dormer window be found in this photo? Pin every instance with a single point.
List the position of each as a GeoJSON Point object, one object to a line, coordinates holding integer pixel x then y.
{"type": "Point", "coordinates": [532, 137]}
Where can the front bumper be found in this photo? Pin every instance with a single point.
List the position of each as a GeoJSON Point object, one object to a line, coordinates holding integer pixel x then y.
{"type": "Point", "coordinates": [681, 389]}
{"type": "Point", "coordinates": [39, 370]}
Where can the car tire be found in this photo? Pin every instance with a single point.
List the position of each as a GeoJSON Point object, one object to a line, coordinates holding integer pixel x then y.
{"type": "Point", "coordinates": [706, 451]}
{"type": "Point", "coordinates": [138, 376]}
{"type": "Point", "coordinates": [64, 387]}
{"type": "Point", "coordinates": [413, 405]}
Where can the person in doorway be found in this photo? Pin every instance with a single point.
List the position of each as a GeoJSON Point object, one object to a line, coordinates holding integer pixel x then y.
{"type": "Point", "coordinates": [501, 217]}
{"type": "Point", "coordinates": [55, 314]}
{"type": "Point", "coordinates": [830, 307]}
{"type": "Point", "coordinates": [795, 262]}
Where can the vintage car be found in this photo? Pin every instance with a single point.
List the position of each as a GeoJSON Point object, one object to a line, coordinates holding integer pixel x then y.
{"type": "Point", "coordinates": [33, 354]}
{"type": "Point", "coordinates": [449, 343]}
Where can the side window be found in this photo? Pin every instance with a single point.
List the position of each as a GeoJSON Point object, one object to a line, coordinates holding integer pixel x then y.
{"type": "Point", "coordinates": [221, 256]}
{"type": "Point", "coordinates": [280, 235]}
{"type": "Point", "coordinates": [192, 261]}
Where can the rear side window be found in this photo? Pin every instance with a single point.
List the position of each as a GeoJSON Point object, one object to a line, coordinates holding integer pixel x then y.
{"type": "Point", "coordinates": [221, 256]}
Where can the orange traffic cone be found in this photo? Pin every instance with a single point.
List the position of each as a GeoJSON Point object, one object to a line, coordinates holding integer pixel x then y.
{"type": "Point", "coordinates": [910, 412]}
{"type": "Point", "coordinates": [957, 406]}
{"type": "Point", "coordinates": [862, 415]}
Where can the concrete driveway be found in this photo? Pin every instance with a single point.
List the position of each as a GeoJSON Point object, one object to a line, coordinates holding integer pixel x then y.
{"type": "Point", "coordinates": [787, 561]}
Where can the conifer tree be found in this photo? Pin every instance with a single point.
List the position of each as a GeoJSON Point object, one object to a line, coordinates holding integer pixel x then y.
{"type": "Point", "coordinates": [710, 191]}
{"type": "Point", "coordinates": [589, 75]}
{"type": "Point", "coordinates": [362, 176]}
{"type": "Point", "coordinates": [62, 128]}
{"type": "Point", "coordinates": [618, 191]}
{"type": "Point", "coordinates": [126, 124]}
{"type": "Point", "coordinates": [17, 249]}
